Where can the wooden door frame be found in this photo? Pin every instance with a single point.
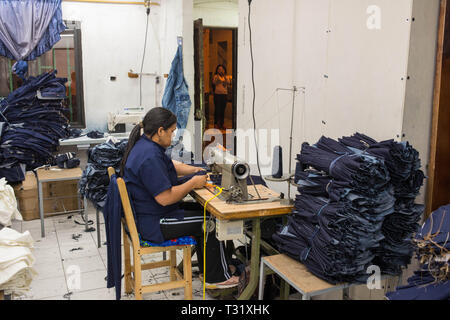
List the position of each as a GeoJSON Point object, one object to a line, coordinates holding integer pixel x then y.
{"type": "Point", "coordinates": [436, 106]}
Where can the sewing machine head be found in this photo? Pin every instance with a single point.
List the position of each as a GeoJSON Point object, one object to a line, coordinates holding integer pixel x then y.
{"type": "Point", "coordinates": [117, 121]}
{"type": "Point", "coordinates": [234, 174]}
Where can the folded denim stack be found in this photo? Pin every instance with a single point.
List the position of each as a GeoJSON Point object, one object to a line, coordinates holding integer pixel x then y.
{"type": "Point", "coordinates": [32, 124]}
{"type": "Point", "coordinates": [67, 160]}
{"type": "Point", "coordinates": [432, 245]}
{"type": "Point", "coordinates": [95, 180]}
{"type": "Point", "coordinates": [403, 163]}
{"type": "Point", "coordinates": [337, 221]}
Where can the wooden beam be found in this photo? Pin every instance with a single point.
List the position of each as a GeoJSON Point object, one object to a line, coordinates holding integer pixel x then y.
{"type": "Point", "coordinates": [113, 2]}
{"type": "Point", "coordinates": [436, 105]}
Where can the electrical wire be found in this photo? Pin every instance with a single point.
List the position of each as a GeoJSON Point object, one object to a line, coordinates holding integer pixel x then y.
{"type": "Point", "coordinates": [143, 57]}
{"type": "Point", "coordinates": [204, 238]}
{"type": "Point", "coordinates": [253, 86]}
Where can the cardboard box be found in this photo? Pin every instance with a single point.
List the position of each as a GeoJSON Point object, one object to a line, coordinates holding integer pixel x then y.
{"type": "Point", "coordinates": [27, 196]}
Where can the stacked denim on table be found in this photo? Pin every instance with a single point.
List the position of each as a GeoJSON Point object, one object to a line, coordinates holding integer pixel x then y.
{"type": "Point", "coordinates": [355, 208]}
{"type": "Point", "coordinates": [403, 163]}
{"type": "Point", "coordinates": [337, 219]}
{"type": "Point", "coordinates": [95, 180]}
{"type": "Point", "coordinates": [31, 124]}
{"type": "Point", "coordinates": [432, 243]}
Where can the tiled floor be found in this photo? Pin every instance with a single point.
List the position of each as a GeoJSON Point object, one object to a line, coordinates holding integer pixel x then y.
{"type": "Point", "coordinates": [67, 250]}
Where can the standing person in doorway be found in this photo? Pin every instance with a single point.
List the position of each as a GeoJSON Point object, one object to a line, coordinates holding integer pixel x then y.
{"type": "Point", "coordinates": [220, 87]}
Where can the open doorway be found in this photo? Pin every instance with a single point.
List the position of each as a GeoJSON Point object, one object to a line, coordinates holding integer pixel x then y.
{"type": "Point", "coordinates": [215, 58]}
{"type": "Point", "coordinates": [438, 193]}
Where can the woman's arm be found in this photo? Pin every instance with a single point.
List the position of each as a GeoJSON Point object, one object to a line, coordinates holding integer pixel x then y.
{"type": "Point", "coordinates": [184, 169]}
{"type": "Point", "coordinates": [177, 193]}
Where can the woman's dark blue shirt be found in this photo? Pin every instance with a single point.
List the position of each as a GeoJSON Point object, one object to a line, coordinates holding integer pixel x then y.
{"type": "Point", "coordinates": [148, 172]}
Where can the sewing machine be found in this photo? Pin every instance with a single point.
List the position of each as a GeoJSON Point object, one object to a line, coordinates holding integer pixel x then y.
{"type": "Point", "coordinates": [117, 121]}
{"type": "Point", "coordinates": [234, 173]}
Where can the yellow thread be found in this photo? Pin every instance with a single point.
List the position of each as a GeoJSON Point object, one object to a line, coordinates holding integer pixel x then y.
{"type": "Point", "coordinates": [204, 238]}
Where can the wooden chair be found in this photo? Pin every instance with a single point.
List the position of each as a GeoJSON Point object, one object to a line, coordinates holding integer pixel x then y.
{"type": "Point", "coordinates": [133, 273]}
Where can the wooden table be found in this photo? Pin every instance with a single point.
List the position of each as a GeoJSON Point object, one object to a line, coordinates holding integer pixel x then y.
{"type": "Point", "coordinates": [255, 212]}
{"type": "Point", "coordinates": [297, 275]}
{"type": "Point", "coordinates": [56, 174]}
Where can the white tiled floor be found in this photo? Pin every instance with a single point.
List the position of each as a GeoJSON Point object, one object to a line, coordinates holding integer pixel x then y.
{"type": "Point", "coordinates": [57, 261]}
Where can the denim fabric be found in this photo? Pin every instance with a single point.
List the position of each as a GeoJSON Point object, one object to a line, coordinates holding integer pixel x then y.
{"type": "Point", "coordinates": [351, 212]}
{"type": "Point", "coordinates": [112, 213]}
{"type": "Point", "coordinates": [32, 126]}
{"type": "Point", "coordinates": [94, 181]}
{"type": "Point", "coordinates": [176, 94]}
{"type": "Point", "coordinates": [431, 280]}
{"type": "Point", "coordinates": [21, 69]}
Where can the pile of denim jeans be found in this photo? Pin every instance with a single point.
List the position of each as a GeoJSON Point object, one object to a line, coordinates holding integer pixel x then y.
{"type": "Point", "coordinates": [31, 124]}
{"type": "Point", "coordinates": [336, 225]}
{"type": "Point", "coordinates": [403, 163]}
{"type": "Point", "coordinates": [95, 180]}
{"type": "Point", "coordinates": [432, 243]}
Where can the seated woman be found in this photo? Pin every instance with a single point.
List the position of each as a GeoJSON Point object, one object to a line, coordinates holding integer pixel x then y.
{"type": "Point", "coordinates": [152, 182]}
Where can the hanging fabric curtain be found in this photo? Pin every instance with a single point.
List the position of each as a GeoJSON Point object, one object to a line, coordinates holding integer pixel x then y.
{"type": "Point", "coordinates": [176, 95]}
{"type": "Point", "coordinates": [29, 28]}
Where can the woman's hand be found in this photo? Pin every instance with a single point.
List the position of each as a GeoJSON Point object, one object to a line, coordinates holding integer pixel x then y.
{"type": "Point", "coordinates": [199, 181]}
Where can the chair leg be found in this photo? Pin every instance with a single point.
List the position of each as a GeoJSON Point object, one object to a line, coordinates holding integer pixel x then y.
{"type": "Point", "coordinates": [137, 276]}
{"type": "Point", "coordinates": [187, 272]}
{"type": "Point", "coordinates": [173, 265]}
{"type": "Point", "coordinates": [127, 263]}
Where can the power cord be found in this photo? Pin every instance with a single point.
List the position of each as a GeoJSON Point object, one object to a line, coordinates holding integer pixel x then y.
{"type": "Point", "coordinates": [253, 86]}
{"type": "Point", "coordinates": [143, 57]}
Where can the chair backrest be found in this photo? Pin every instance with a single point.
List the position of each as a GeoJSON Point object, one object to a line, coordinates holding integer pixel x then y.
{"type": "Point", "coordinates": [126, 205]}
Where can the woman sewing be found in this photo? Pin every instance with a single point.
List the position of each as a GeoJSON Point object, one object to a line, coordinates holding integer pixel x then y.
{"type": "Point", "coordinates": [156, 193]}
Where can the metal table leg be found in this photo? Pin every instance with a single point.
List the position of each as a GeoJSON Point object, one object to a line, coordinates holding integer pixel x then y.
{"type": "Point", "coordinates": [98, 229]}
{"type": "Point", "coordinates": [254, 264]}
{"type": "Point", "coordinates": [262, 280]}
{"type": "Point", "coordinates": [41, 208]}
{"type": "Point", "coordinates": [85, 211]}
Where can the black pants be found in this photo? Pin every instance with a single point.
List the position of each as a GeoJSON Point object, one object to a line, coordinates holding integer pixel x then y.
{"type": "Point", "coordinates": [220, 104]}
{"type": "Point", "coordinates": [217, 256]}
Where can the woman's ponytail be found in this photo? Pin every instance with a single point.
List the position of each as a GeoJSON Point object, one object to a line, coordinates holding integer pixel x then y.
{"type": "Point", "coordinates": [154, 119]}
{"type": "Point", "coordinates": [134, 137]}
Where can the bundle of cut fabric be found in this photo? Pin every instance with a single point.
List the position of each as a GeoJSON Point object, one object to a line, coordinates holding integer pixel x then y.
{"type": "Point", "coordinates": [337, 219]}
{"type": "Point", "coordinates": [16, 261]}
{"type": "Point", "coordinates": [32, 124]}
{"type": "Point", "coordinates": [432, 245]}
{"type": "Point", "coordinates": [403, 163]}
{"type": "Point", "coordinates": [8, 204]}
{"type": "Point", "coordinates": [95, 180]}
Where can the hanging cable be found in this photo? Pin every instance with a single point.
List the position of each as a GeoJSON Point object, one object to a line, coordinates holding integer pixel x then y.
{"type": "Point", "coordinates": [253, 86]}
{"type": "Point", "coordinates": [143, 57]}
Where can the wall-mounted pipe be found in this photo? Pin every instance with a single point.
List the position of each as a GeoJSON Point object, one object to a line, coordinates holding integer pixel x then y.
{"type": "Point", "coordinates": [113, 2]}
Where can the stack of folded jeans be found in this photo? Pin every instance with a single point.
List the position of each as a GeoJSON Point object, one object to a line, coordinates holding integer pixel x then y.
{"type": "Point", "coordinates": [403, 163]}
{"type": "Point", "coordinates": [432, 280]}
{"type": "Point", "coordinates": [32, 122]}
{"type": "Point", "coordinates": [336, 225]}
{"type": "Point", "coordinates": [95, 180]}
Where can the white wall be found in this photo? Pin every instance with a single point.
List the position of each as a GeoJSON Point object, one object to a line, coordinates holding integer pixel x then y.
{"type": "Point", "coordinates": [217, 13]}
{"type": "Point", "coordinates": [112, 44]}
{"type": "Point", "coordinates": [355, 78]}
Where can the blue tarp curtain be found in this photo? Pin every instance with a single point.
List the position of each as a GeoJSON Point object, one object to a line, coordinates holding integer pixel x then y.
{"type": "Point", "coordinates": [29, 28]}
